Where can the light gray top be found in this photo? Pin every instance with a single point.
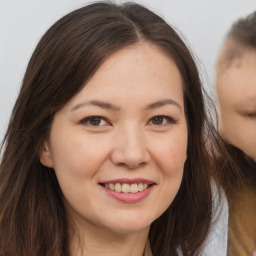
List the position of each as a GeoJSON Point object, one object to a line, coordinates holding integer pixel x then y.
{"type": "Point", "coordinates": [216, 243]}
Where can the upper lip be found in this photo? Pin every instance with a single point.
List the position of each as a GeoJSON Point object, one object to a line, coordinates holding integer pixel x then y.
{"type": "Point", "coordinates": [128, 181]}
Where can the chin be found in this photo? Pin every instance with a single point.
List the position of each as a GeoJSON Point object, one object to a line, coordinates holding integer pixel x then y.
{"type": "Point", "coordinates": [130, 230]}
{"type": "Point", "coordinates": [126, 226]}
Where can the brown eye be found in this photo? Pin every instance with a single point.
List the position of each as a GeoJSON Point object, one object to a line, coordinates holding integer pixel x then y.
{"type": "Point", "coordinates": [94, 121]}
{"type": "Point", "coordinates": [162, 120]}
{"type": "Point", "coordinates": [157, 120]}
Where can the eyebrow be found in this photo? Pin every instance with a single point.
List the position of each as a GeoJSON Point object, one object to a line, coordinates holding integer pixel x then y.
{"type": "Point", "coordinates": [163, 103]}
{"type": "Point", "coordinates": [109, 106]}
{"type": "Point", "coordinates": [101, 104]}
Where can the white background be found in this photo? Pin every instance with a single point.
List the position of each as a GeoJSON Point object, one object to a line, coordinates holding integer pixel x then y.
{"type": "Point", "coordinates": [203, 23]}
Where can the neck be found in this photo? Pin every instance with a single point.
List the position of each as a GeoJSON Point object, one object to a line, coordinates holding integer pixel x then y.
{"type": "Point", "coordinates": [95, 241]}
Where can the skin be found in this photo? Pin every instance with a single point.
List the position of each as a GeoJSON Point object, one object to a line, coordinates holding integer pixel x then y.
{"type": "Point", "coordinates": [136, 84]}
{"type": "Point", "coordinates": [236, 90]}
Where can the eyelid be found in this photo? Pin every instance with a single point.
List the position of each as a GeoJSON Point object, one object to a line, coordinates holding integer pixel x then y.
{"type": "Point", "coordinates": [169, 119]}
{"type": "Point", "coordinates": [248, 114]}
{"type": "Point", "coordinates": [251, 115]}
{"type": "Point", "coordinates": [85, 121]}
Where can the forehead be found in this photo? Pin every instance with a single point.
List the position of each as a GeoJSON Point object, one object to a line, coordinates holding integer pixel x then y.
{"type": "Point", "coordinates": [139, 71]}
{"type": "Point", "coordinates": [232, 51]}
{"type": "Point", "coordinates": [237, 81]}
{"type": "Point", "coordinates": [143, 56]}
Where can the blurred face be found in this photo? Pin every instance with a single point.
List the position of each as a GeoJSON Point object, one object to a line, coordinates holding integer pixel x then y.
{"type": "Point", "coordinates": [119, 146]}
{"type": "Point", "coordinates": [236, 89]}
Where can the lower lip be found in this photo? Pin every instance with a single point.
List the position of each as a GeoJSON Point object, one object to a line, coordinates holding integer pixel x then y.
{"type": "Point", "coordinates": [129, 197]}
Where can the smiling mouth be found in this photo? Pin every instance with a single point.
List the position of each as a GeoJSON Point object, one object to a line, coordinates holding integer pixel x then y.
{"type": "Point", "coordinates": [127, 188]}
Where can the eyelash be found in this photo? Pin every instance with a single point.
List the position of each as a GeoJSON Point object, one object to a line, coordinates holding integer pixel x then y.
{"type": "Point", "coordinates": [88, 120]}
{"type": "Point", "coordinates": [251, 115]}
{"type": "Point", "coordinates": [169, 120]}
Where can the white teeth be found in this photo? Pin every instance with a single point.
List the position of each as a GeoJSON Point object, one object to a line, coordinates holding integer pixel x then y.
{"type": "Point", "coordinates": [140, 187]}
{"type": "Point", "coordinates": [118, 187]}
{"type": "Point", "coordinates": [127, 188]}
{"type": "Point", "coordinates": [134, 188]}
{"type": "Point", "coordinates": [111, 186]}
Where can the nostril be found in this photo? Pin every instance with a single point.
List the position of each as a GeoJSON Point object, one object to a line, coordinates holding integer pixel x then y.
{"type": "Point", "coordinates": [121, 164]}
{"type": "Point", "coordinates": [130, 157]}
{"type": "Point", "coordinates": [142, 164]}
{"type": "Point", "coordinates": [132, 165]}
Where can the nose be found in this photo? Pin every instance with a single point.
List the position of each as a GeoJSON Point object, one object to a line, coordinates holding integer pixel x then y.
{"type": "Point", "coordinates": [130, 148]}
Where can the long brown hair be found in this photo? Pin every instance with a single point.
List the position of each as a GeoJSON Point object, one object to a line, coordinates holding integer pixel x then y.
{"type": "Point", "coordinates": [33, 217]}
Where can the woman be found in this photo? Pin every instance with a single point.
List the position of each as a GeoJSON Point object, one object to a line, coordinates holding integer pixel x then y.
{"type": "Point", "coordinates": [236, 90]}
{"type": "Point", "coordinates": [105, 153]}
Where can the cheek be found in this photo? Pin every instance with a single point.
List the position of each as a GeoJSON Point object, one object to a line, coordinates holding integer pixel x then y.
{"type": "Point", "coordinates": [235, 127]}
{"type": "Point", "coordinates": [243, 135]}
{"type": "Point", "coordinates": [77, 156]}
{"type": "Point", "coordinates": [77, 160]}
{"type": "Point", "coordinates": [240, 132]}
{"type": "Point", "coordinates": [170, 157]}
{"type": "Point", "coordinates": [171, 154]}
{"type": "Point", "coordinates": [232, 125]}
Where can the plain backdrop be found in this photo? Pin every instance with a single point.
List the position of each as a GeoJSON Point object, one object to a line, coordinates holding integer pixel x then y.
{"type": "Point", "coordinates": [203, 24]}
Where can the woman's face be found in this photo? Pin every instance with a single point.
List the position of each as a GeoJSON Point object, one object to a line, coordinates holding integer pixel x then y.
{"type": "Point", "coordinates": [119, 146]}
{"type": "Point", "coordinates": [236, 88]}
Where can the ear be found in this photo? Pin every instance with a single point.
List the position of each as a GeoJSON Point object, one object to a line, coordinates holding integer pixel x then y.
{"type": "Point", "coordinates": [45, 156]}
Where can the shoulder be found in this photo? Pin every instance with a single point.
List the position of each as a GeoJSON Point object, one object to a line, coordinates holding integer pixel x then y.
{"type": "Point", "coordinates": [216, 242]}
